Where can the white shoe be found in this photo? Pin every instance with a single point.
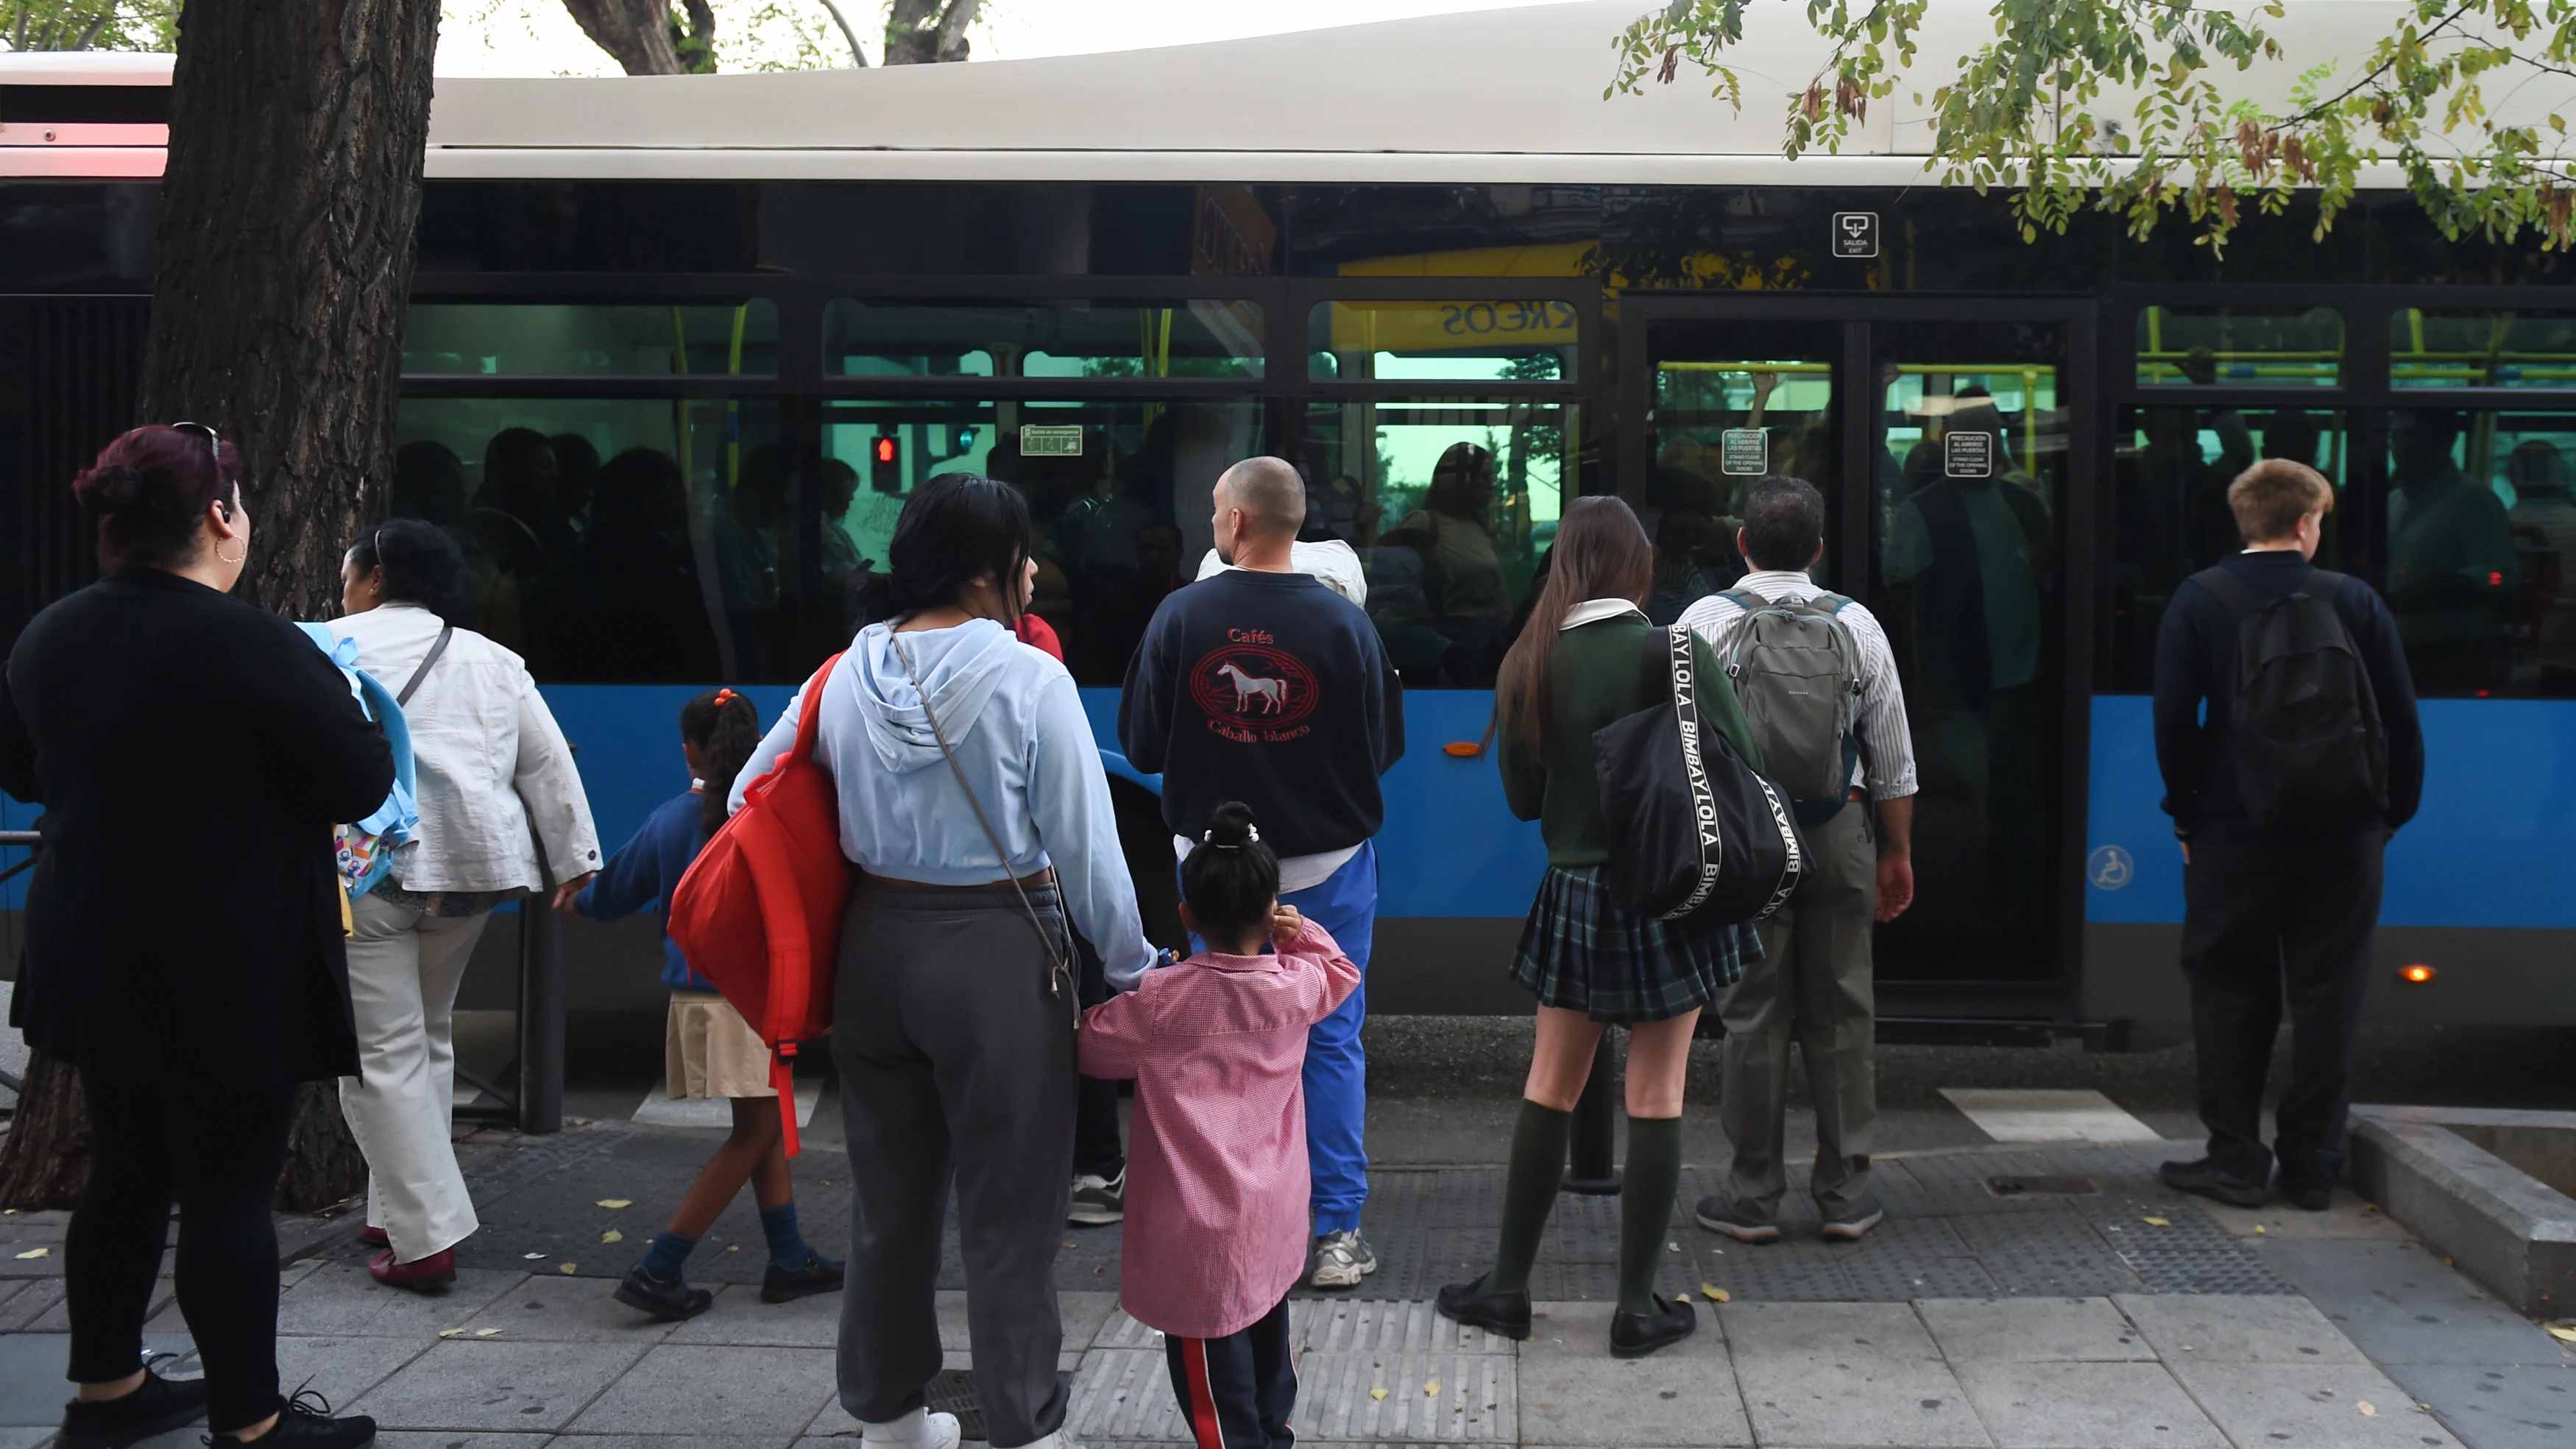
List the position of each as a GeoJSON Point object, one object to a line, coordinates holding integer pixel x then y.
{"type": "Point", "coordinates": [919, 1429]}
{"type": "Point", "coordinates": [1342, 1259]}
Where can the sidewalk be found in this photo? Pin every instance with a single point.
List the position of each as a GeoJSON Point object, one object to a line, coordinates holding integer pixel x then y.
{"type": "Point", "coordinates": [2052, 1296]}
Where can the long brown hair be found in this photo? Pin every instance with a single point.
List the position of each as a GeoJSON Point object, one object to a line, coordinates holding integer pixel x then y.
{"type": "Point", "coordinates": [1601, 552]}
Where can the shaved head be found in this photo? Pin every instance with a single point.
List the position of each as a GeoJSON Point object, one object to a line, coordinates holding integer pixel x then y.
{"type": "Point", "coordinates": [1268, 490]}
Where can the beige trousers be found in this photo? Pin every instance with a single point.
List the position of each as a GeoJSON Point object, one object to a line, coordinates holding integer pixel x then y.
{"type": "Point", "coordinates": [404, 969]}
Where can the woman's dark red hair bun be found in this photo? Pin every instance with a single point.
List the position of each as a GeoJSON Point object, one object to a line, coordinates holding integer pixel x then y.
{"type": "Point", "coordinates": [149, 491]}
{"type": "Point", "coordinates": [110, 488]}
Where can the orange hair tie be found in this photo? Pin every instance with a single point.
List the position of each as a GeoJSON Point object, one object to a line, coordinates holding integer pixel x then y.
{"type": "Point", "coordinates": [724, 697]}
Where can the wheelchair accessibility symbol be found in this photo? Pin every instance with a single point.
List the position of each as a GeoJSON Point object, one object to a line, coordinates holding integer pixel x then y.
{"type": "Point", "coordinates": [2109, 868]}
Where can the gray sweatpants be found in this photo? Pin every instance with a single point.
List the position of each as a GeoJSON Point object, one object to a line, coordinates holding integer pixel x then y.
{"type": "Point", "coordinates": [956, 1063]}
{"type": "Point", "coordinates": [1812, 986]}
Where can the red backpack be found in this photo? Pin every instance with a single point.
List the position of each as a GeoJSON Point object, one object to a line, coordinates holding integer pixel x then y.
{"type": "Point", "coordinates": [759, 911]}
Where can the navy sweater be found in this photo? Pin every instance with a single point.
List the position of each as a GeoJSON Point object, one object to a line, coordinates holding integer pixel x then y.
{"type": "Point", "coordinates": [1271, 689]}
{"type": "Point", "coordinates": [644, 872]}
{"type": "Point", "coordinates": [2196, 662]}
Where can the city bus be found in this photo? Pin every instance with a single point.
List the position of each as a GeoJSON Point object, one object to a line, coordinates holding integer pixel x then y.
{"type": "Point", "coordinates": [680, 347]}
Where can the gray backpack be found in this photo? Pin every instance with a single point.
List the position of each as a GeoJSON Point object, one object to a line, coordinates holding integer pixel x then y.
{"type": "Point", "coordinates": [1796, 670]}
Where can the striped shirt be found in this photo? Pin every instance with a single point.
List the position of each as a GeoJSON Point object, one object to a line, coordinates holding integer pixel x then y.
{"type": "Point", "coordinates": [1887, 746]}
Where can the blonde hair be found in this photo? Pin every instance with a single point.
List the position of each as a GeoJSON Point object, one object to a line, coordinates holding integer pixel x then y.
{"type": "Point", "coordinates": [2271, 497]}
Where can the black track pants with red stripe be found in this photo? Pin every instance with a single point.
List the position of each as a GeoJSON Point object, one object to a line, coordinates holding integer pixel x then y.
{"type": "Point", "coordinates": [1237, 1392]}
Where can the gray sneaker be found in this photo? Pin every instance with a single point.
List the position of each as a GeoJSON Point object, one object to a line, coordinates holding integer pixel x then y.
{"type": "Point", "coordinates": [1854, 1222]}
{"type": "Point", "coordinates": [1098, 1201]}
{"type": "Point", "coordinates": [1342, 1260]}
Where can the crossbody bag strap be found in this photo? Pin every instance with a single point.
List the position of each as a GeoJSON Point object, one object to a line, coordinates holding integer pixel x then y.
{"type": "Point", "coordinates": [445, 633]}
{"type": "Point", "coordinates": [1055, 958]}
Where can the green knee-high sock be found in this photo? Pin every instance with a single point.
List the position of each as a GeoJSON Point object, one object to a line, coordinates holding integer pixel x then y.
{"type": "Point", "coordinates": [1529, 1192]}
{"type": "Point", "coordinates": [1654, 1175]}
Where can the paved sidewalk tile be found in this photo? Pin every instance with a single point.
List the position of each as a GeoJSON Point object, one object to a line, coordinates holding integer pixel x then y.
{"type": "Point", "coordinates": [342, 1370]}
{"type": "Point", "coordinates": [1856, 1399]}
{"type": "Point", "coordinates": [569, 1310]}
{"type": "Point", "coordinates": [2402, 1305]}
{"type": "Point", "coordinates": [341, 1299]}
{"type": "Point", "coordinates": [1875, 1330]}
{"type": "Point", "coordinates": [420, 1439]}
{"type": "Point", "coordinates": [679, 1388]}
{"type": "Point", "coordinates": [1572, 1392]}
{"type": "Point", "coordinates": [1449, 1398]}
{"type": "Point", "coordinates": [2031, 1330]}
{"type": "Point", "coordinates": [2086, 1406]}
{"type": "Point", "coordinates": [2303, 1406]}
{"type": "Point", "coordinates": [2238, 1330]}
{"type": "Point", "coordinates": [738, 1316]}
{"type": "Point", "coordinates": [492, 1384]}
{"type": "Point", "coordinates": [2517, 1406]}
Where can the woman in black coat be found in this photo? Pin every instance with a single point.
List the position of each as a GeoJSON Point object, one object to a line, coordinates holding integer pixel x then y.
{"type": "Point", "coordinates": [191, 754]}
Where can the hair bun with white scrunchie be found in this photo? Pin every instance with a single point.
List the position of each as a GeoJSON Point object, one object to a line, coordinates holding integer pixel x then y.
{"type": "Point", "coordinates": [1232, 827]}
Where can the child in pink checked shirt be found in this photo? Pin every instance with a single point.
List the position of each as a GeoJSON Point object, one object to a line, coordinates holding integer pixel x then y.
{"type": "Point", "coordinates": [1216, 1173]}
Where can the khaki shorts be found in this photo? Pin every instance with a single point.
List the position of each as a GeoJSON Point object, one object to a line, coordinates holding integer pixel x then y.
{"type": "Point", "coordinates": [709, 1051]}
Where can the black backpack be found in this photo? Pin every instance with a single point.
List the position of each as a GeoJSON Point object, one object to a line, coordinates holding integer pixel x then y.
{"type": "Point", "coordinates": [2310, 752]}
{"type": "Point", "coordinates": [1696, 836]}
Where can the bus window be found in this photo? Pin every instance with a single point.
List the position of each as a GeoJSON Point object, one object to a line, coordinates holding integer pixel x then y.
{"type": "Point", "coordinates": [1734, 402]}
{"type": "Point", "coordinates": [2168, 513]}
{"type": "Point", "coordinates": [2480, 531]}
{"type": "Point", "coordinates": [1451, 505]}
{"type": "Point", "coordinates": [615, 540]}
{"type": "Point", "coordinates": [2243, 346]}
{"type": "Point", "coordinates": [592, 340]}
{"type": "Point", "coordinates": [1051, 338]}
{"type": "Point", "coordinates": [2431, 349]}
{"type": "Point", "coordinates": [1528, 339]}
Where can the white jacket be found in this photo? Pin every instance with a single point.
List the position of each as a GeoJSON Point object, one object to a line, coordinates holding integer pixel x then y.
{"type": "Point", "coordinates": [1334, 563]}
{"type": "Point", "coordinates": [484, 743]}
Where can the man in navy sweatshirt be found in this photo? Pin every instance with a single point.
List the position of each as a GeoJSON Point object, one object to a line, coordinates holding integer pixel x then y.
{"type": "Point", "coordinates": [1260, 684]}
{"type": "Point", "coordinates": [2262, 906]}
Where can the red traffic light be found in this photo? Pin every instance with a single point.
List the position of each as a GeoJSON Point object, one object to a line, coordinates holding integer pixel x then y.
{"type": "Point", "coordinates": [885, 450]}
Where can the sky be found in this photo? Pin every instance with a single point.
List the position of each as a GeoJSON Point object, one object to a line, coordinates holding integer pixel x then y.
{"type": "Point", "coordinates": [537, 37]}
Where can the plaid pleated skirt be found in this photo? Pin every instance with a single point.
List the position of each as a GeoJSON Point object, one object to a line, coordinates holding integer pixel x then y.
{"type": "Point", "coordinates": [1580, 952]}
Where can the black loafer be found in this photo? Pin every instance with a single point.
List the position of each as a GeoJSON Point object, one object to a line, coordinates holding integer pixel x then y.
{"type": "Point", "coordinates": [671, 1302]}
{"type": "Point", "coordinates": [157, 1407]}
{"type": "Point", "coordinates": [2314, 1198]}
{"type": "Point", "coordinates": [1635, 1335]}
{"type": "Point", "coordinates": [1505, 1313]}
{"type": "Point", "coordinates": [306, 1422]}
{"type": "Point", "coordinates": [786, 1285]}
{"type": "Point", "coordinates": [2204, 1178]}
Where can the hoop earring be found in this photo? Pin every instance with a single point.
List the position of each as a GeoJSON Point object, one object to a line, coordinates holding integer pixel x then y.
{"type": "Point", "coordinates": [236, 558]}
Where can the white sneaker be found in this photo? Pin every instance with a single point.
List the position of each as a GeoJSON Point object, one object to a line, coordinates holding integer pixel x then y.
{"type": "Point", "coordinates": [919, 1429]}
{"type": "Point", "coordinates": [1342, 1259]}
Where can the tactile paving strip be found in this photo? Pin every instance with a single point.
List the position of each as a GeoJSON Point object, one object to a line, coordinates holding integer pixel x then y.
{"type": "Point", "coordinates": [1453, 1397]}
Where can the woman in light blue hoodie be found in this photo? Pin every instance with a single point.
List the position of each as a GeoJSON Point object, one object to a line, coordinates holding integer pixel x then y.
{"type": "Point", "coordinates": [954, 1013]}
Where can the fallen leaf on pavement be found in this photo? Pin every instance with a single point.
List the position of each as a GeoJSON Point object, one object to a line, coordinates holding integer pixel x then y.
{"type": "Point", "coordinates": [565, 1268]}
{"type": "Point", "coordinates": [485, 1332]}
{"type": "Point", "coordinates": [532, 1257]}
{"type": "Point", "coordinates": [2563, 1335]}
{"type": "Point", "coordinates": [2157, 1222]}
{"type": "Point", "coordinates": [36, 1253]}
{"type": "Point", "coordinates": [1377, 1393]}
{"type": "Point", "coordinates": [1431, 1390]}
{"type": "Point", "coordinates": [450, 1332]}
{"type": "Point", "coordinates": [616, 1202]}
{"type": "Point", "coordinates": [2369, 1410]}
{"type": "Point", "coordinates": [1715, 1293]}
{"type": "Point", "coordinates": [612, 1236]}
{"type": "Point", "coordinates": [2258, 1231]}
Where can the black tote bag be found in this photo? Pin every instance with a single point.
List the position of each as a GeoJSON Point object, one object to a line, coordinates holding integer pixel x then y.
{"type": "Point", "coordinates": [1696, 837]}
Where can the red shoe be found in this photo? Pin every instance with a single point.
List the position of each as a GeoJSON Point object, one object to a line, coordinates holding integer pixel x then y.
{"type": "Point", "coordinates": [373, 1237]}
{"type": "Point", "coordinates": [420, 1274]}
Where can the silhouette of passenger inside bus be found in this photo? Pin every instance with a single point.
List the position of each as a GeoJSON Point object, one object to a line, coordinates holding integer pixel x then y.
{"type": "Point", "coordinates": [576, 478]}
{"type": "Point", "coordinates": [1974, 559]}
{"type": "Point", "coordinates": [650, 620]}
{"type": "Point", "coordinates": [746, 520]}
{"type": "Point", "coordinates": [2294, 435]}
{"type": "Point", "coordinates": [2451, 565]}
{"type": "Point", "coordinates": [1099, 532]}
{"type": "Point", "coordinates": [429, 484]}
{"type": "Point", "coordinates": [1114, 621]}
{"type": "Point", "coordinates": [1462, 572]}
{"type": "Point", "coordinates": [2544, 524]}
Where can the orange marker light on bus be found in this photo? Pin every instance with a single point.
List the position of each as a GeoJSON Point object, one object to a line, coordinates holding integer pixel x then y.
{"type": "Point", "coordinates": [2417, 974]}
{"type": "Point", "coordinates": [1462, 749]}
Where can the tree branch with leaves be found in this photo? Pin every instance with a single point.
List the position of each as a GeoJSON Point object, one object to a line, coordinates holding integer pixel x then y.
{"type": "Point", "coordinates": [2144, 107]}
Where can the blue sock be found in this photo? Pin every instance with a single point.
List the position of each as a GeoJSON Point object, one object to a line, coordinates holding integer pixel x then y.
{"type": "Point", "coordinates": [786, 1243]}
{"type": "Point", "coordinates": [668, 1256]}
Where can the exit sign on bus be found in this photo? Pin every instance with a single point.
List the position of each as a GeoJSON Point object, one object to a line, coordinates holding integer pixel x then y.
{"type": "Point", "coordinates": [1050, 440]}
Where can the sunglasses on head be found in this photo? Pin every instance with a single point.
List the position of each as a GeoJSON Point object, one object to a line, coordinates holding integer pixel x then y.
{"type": "Point", "coordinates": [214, 452]}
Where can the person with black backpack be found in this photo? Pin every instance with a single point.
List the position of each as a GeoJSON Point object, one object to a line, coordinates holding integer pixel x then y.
{"type": "Point", "coordinates": [1819, 686]}
{"type": "Point", "coordinates": [2283, 797]}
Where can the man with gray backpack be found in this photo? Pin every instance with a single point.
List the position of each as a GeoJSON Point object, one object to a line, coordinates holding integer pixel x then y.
{"type": "Point", "coordinates": [1819, 687]}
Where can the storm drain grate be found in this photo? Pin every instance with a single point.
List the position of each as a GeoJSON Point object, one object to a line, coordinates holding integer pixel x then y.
{"type": "Point", "coordinates": [953, 1392]}
{"type": "Point", "coordinates": [2025, 1187]}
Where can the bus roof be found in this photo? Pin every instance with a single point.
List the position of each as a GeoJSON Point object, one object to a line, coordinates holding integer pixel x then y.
{"type": "Point", "coordinates": [1507, 96]}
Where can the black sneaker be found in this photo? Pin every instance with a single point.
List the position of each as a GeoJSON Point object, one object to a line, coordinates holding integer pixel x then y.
{"type": "Point", "coordinates": [2204, 1178]}
{"type": "Point", "coordinates": [1720, 1216]}
{"type": "Point", "coordinates": [1635, 1335]}
{"type": "Point", "coordinates": [671, 1302]}
{"type": "Point", "coordinates": [157, 1407]}
{"type": "Point", "coordinates": [1853, 1223]}
{"type": "Point", "coordinates": [1098, 1201]}
{"type": "Point", "coordinates": [305, 1422]}
{"type": "Point", "coordinates": [786, 1285]}
{"type": "Point", "coordinates": [1505, 1313]}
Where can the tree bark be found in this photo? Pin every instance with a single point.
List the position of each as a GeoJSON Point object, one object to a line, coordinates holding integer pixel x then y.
{"type": "Point", "coordinates": [924, 32]}
{"type": "Point", "coordinates": [288, 213]}
{"type": "Point", "coordinates": [44, 1161]}
{"type": "Point", "coordinates": [635, 33]}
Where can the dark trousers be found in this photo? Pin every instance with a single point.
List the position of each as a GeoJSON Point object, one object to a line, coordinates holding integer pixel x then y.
{"type": "Point", "coordinates": [1097, 1151]}
{"type": "Point", "coordinates": [1237, 1392]}
{"type": "Point", "coordinates": [956, 1062]}
{"type": "Point", "coordinates": [2262, 914]}
{"type": "Point", "coordinates": [216, 1154]}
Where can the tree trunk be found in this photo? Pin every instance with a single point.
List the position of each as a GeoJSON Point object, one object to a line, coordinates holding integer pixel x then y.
{"type": "Point", "coordinates": [44, 1161]}
{"type": "Point", "coordinates": [923, 32]}
{"type": "Point", "coordinates": [636, 33]}
{"type": "Point", "coordinates": [288, 213]}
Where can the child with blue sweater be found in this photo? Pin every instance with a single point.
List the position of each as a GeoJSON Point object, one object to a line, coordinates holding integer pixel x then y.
{"type": "Point", "coordinates": [708, 1049]}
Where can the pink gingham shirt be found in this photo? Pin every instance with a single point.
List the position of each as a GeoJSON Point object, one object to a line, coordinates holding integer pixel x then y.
{"type": "Point", "coordinates": [1216, 1170]}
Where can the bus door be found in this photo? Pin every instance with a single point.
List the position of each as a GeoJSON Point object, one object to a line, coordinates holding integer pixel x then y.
{"type": "Point", "coordinates": [1949, 440]}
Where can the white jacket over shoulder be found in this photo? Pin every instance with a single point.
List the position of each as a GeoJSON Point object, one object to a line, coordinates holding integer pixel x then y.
{"type": "Point", "coordinates": [489, 755]}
